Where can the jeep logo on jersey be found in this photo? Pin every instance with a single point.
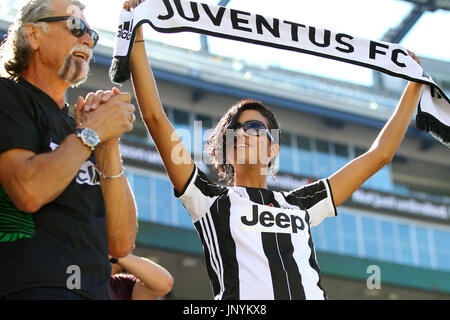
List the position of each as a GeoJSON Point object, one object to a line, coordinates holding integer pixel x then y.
{"type": "Point", "coordinates": [125, 30]}
{"type": "Point", "coordinates": [272, 219]}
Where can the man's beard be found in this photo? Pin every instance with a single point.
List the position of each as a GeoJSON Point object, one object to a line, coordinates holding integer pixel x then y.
{"type": "Point", "coordinates": [75, 71]}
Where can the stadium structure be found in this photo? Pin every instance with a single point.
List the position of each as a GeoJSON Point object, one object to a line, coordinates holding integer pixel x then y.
{"type": "Point", "coordinates": [391, 239]}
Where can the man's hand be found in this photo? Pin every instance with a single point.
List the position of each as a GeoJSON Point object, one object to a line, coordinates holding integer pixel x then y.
{"type": "Point", "coordinates": [109, 113]}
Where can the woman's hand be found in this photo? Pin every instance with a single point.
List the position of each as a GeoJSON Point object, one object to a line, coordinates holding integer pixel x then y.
{"type": "Point", "coordinates": [91, 102]}
{"type": "Point", "coordinates": [128, 5]}
{"type": "Point", "coordinates": [416, 58]}
{"type": "Point", "coordinates": [131, 4]}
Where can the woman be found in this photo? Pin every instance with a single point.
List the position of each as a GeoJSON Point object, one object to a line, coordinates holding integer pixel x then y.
{"type": "Point", "coordinates": [257, 242]}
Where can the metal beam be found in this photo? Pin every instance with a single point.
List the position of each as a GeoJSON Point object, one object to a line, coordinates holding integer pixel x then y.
{"type": "Point", "coordinates": [223, 3]}
{"type": "Point", "coordinates": [204, 39]}
{"type": "Point", "coordinates": [396, 34]}
{"type": "Point", "coordinates": [420, 7]}
{"type": "Point", "coordinates": [432, 5]}
{"type": "Point", "coordinates": [204, 43]}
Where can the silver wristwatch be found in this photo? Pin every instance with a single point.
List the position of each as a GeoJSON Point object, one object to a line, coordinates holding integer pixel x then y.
{"type": "Point", "coordinates": [88, 136]}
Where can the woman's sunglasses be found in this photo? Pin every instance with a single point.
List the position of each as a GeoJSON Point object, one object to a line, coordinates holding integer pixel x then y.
{"type": "Point", "coordinates": [253, 127]}
{"type": "Point", "coordinates": [76, 26]}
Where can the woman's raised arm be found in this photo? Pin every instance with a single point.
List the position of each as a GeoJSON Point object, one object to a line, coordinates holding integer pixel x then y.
{"type": "Point", "coordinates": [349, 178]}
{"type": "Point", "coordinates": [176, 158]}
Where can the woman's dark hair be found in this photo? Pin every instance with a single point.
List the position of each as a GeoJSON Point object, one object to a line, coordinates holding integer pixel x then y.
{"type": "Point", "coordinates": [216, 144]}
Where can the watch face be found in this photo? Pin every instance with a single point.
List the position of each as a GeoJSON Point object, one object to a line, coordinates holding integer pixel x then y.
{"type": "Point", "coordinates": [90, 137]}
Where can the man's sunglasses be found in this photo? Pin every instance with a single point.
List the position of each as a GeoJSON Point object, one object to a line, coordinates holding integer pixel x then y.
{"type": "Point", "coordinates": [253, 127]}
{"type": "Point", "coordinates": [76, 26]}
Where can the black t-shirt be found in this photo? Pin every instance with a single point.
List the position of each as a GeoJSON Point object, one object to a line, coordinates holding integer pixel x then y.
{"type": "Point", "coordinates": [64, 244]}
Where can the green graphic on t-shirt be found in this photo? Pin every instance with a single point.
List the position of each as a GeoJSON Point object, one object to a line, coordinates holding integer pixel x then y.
{"type": "Point", "coordinates": [14, 224]}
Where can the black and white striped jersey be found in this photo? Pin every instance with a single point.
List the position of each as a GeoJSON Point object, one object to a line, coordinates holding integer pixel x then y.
{"type": "Point", "coordinates": [257, 242]}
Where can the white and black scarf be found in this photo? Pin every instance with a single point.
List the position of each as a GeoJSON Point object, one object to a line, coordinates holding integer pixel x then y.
{"type": "Point", "coordinates": [171, 16]}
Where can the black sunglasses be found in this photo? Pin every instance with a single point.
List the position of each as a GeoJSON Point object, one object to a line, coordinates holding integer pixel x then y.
{"type": "Point", "coordinates": [76, 26]}
{"type": "Point", "coordinates": [253, 127]}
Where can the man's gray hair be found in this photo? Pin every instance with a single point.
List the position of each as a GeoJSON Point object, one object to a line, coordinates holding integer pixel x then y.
{"type": "Point", "coordinates": [15, 51]}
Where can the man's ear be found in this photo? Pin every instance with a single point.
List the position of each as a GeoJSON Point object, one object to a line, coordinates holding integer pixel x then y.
{"type": "Point", "coordinates": [30, 34]}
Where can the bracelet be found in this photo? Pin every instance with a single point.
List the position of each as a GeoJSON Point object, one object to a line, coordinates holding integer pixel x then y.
{"type": "Point", "coordinates": [139, 41]}
{"type": "Point", "coordinates": [103, 176]}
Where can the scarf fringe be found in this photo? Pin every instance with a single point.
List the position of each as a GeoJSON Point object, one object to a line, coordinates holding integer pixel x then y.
{"type": "Point", "coordinates": [120, 70]}
{"type": "Point", "coordinates": [428, 123]}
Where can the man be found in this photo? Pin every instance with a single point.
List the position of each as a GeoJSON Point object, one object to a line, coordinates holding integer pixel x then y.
{"type": "Point", "coordinates": [65, 203]}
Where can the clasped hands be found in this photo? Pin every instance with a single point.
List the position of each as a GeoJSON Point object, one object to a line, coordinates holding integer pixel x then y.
{"type": "Point", "coordinates": [109, 113]}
